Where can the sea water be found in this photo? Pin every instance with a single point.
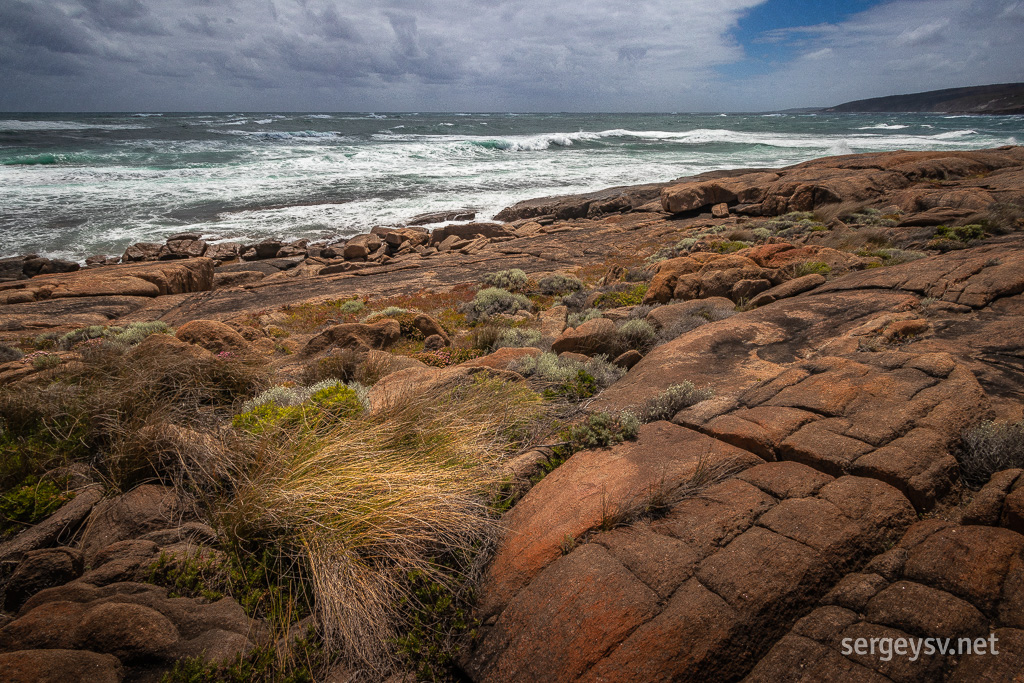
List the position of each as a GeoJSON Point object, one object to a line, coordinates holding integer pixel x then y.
{"type": "Point", "coordinates": [76, 185]}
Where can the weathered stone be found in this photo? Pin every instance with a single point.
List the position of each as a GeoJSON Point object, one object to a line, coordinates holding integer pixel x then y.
{"type": "Point", "coordinates": [143, 509]}
{"type": "Point", "coordinates": [592, 337]}
{"type": "Point", "coordinates": [39, 570]}
{"type": "Point", "coordinates": [379, 335]}
{"type": "Point", "coordinates": [788, 289]}
{"type": "Point", "coordinates": [60, 666]}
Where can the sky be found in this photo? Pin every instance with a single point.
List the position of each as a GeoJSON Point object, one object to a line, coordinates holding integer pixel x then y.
{"type": "Point", "coordinates": [495, 55]}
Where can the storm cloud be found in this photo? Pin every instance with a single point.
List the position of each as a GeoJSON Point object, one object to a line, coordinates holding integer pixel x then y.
{"type": "Point", "coordinates": [504, 55]}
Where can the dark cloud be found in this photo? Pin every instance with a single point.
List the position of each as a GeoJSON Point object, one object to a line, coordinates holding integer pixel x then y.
{"type": "Point", "coordinates": [476, 54]}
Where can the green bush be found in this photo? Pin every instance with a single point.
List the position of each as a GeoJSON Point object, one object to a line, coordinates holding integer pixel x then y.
{"type": "Point", "coordinates": [961, 233]}
{"type": "Point", "coordinates": [812, 268]}
{"type": "Point", "coordinates": [46, 361]}
{"type": "Point", "coordinates": [729, 246]}
{"type": "Point", "coordinates": [31, 501]}
{"type": "Point", "coordinates": [631, 297]}
{"type": "Point", "coordinates": [557, 284]}
{"type": "Point", "coordinates": [314, 406]}
{"type": "Point", "coordinates": [494, 300]}
{"type": "Point", "coordinates": [352, 306]}
{"type": "Point", "coordinates": [9, 353]}
{"type": "Point", "coordinates": [514, 280]}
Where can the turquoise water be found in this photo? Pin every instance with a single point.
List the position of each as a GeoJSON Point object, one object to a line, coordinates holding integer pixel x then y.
{"type": "Point", "coordinates": [77, 185]}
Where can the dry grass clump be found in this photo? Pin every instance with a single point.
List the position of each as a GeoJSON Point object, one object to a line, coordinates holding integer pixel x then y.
{"type": "Point", "coordinates": [95, 409]}
{"type": "Point", "coordinates": [988, 448]}
{"type": "Point", "coordinates": [379, 497]}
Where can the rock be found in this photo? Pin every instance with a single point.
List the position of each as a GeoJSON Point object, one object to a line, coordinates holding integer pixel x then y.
{"type": "Point", "coordinates": [267, 249]}
{"type": "Point", "coordinates": [671, 314]}
{"type": "Point", "coordinates": [788, 289]}
{"type": "Point", "coordinates": [234, 279]}
{"type": "Point", "coordinates": [399, 237]}
{"type": "Point", "coordinates": [720, 210]}
{"type": "Point", "coordinates": [166, 345]}
{"type": "Point", "coordinates": [1013, 511]}
{"type": "Point", "coordinates": [745, 290]}
{"type": "Point", "coordinates": [132, 280]}
{"type": "Point", "coordinates": [132, 633]}
{"type": "Point", "coordinates": [222, 251]}
{"type": "Point", "coordinates": [441, 217]}
{"type": "Point", "coordinates": [39, 570]}
{"type": "Point", "coordinates": [467, 232]}
{"type": "Point", "coordinates": [60, 666]}
{"type": "Point", "coordinates": [578, 206]}
{"type": "Point", "coordinates": [184, 247]}
{"type": "Point", "coordinates": [429, 327]}
{"type": "Point", "coordinates": [143, 251]}
{"type": "Point", "coordinates": [434, 342]}
{"type": "Point", "coordinates": [143, 509]}
{"type": "Point", "coordinates": [127, 560]}
{"type": "Point", "coordinates": [628, 359]}
{"type": "Point", "coordinates": [379, 335]}
{"type": "Point", "coordinates": [592, 337]}
{"type": "Point", "coordinates": [552, 321]}
{"type": "Point", "coordinates": [214, 336]}
{"type": "Point", "coordinates": [60, 525]}
{"type": "Point", "coordinates": [44, 266]}
{"type": "Point", "coordinates": [503, 358]}
{"type": "Point", "coordinates": [902, 329]}
{"type": "Point", "coordinates": [986, 507]}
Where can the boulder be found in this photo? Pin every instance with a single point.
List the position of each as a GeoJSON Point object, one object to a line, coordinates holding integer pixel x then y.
{"type": "Point", "coordinates": [143, 251]}
{"type": "Point", "coordinates": [595, 336]}
{"type": "Point", "coordinates": [130, 632]}
{"type": "Point", "coordinates": [39, 570]}
{"type": "Point", "coordinates": [143, 509]}
{"type": "Point", "coordinates": [379, 335]}
{"type": "Point", "coordinates": [60, 666]}
{"type": "Point", "coordinates": [212, 335]}
{"type": "Point", "coordinates": [59, 526]}
{"type": "Point", "coordinates": [429, 327]}
{"type": "Point", "coordinates": [787, 289]}
{"type": "Point", "coordinates": [434, 342]}
{"type": "Point", "coordinates": [441, 217]}
{"type": "Point", "coordinates": [711, 308]}
{"type": "Point", "coordinates": [182, 248]}
{"type": "Point", "coordinates": [267, 249]}
{"type": "Point", "coordinates": [222, 251]}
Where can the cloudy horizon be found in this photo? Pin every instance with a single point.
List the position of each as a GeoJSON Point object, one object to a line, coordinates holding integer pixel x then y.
{"type": "Point", "coordinates": [508, 55]}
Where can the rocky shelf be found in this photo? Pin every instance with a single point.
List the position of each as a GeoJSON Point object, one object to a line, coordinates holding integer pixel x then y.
{"type": "Point", "coordinates": [851, 317]}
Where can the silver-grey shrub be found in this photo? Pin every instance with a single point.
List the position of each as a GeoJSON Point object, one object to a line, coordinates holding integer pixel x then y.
{"type": "Point", "coordinates": [556, 283]}
{"type": "Point", "coordinates": [988, 448]}
{"type": "Point", "coordinates": [513, 279]}
{"type": "Point", "coordinates": [494, 300]}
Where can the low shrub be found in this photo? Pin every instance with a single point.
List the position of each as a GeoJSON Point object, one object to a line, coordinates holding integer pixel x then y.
{"type": "Point", "coordinates": [575, 302]}
{"type": "Point", "coordinates": [577, 319]}
{"type": "Point", "coordinates": [352, 306]}
{"type": "Point", "coordinates": [516, 337]}
{"type": "Point", "coordinates": [812, 268]}
{"type": "Point", "coordinates": [961, 233]}
{"type": "Point", "coordinates": [630, 297]}
{"type": "Point", "coordinates": [562, 377]}
{"type": "Point", "coordinates": [557, 284]}
{"type": "Point", "coordinates": [665, 405]}
{"type": "Point", "coordinates": [33, 500]}
{"type": "Point", "coordinates": [513, 280]}
{"type": "Point", "coordinates": [313, 407]}
{"type": "Point", "coordinates": [988, 448]}
{"type": "Point", "coordinates": [46, 361]}
{"type": "Point", "coordinates": [1002, 218]}
{"type": "Point", "coordinates": [637, 334]}
{"type": "Point", "coordinates": [9, 353]}
{"type": "Point", "coordinates": [494, 300]}
{"type": "Point", "coordinates": [728, 247]}
{"type": "Point", "coordinates": [484, 337]}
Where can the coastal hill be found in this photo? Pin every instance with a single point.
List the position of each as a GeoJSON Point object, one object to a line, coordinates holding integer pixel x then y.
{"type": "Point", "coordinates": [1004, 98]}
{"type": "Point", "coordinates": [713, 429]}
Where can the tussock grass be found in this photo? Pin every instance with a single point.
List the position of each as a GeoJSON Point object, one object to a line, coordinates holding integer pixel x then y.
{"type": "Point", "coordinates": [374, 499]}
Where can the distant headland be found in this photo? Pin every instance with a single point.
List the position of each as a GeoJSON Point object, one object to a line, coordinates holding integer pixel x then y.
{"type": "Point", "coordinates": [1004, 98]}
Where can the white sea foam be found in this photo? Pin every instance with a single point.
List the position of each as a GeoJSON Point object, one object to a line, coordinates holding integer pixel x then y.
{"type": "Point", "coordinates": [884, 126]}
{"type": "Point", "coordinates": [15, 125]}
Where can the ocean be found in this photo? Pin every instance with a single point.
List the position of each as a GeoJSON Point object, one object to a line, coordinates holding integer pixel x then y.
{"type": "Point", "coordinates": [72, 186]}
